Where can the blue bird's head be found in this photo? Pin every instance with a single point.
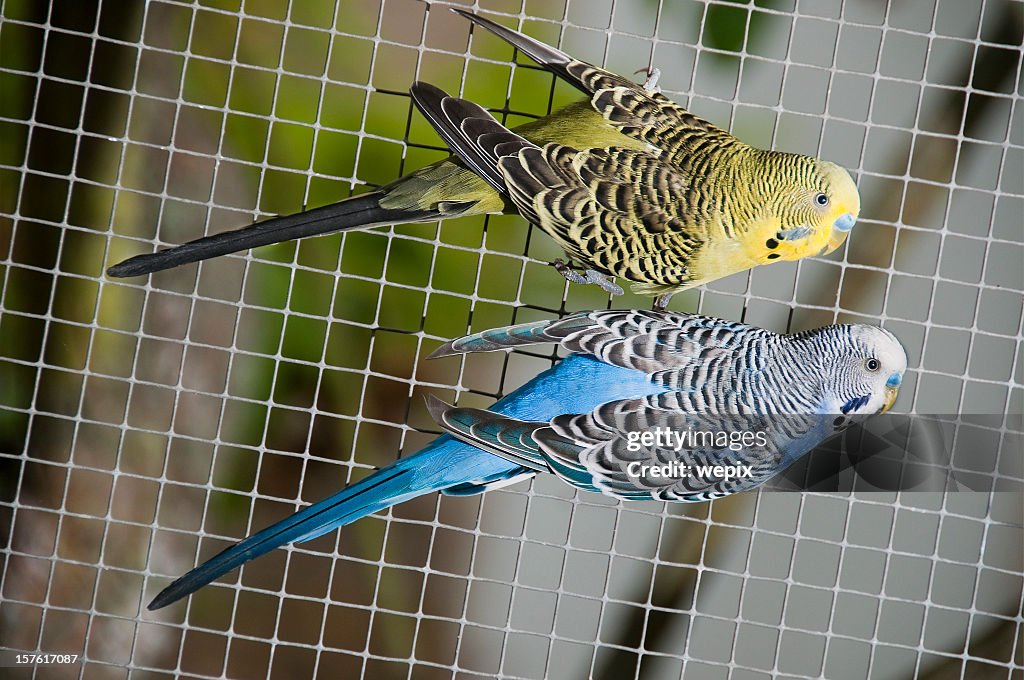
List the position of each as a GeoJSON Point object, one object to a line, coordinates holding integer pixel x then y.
{"type": "Point", "coordinates": [871, 372]}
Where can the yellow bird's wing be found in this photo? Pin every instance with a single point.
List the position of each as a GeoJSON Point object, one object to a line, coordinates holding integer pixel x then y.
{"type": "Point", "coordinates": [617, 210]}
{"type": "Point", "coordinates": [621, 211]}
{"type": "Point", "coordinates": [675, 134]}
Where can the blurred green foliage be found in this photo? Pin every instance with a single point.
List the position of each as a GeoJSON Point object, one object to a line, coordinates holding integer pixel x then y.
{"type": "Point", "coordinates": [725, 25]}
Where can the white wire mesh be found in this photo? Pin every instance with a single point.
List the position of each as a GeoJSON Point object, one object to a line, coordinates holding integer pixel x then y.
{"type": "Point", "coordinates": [147, 424]}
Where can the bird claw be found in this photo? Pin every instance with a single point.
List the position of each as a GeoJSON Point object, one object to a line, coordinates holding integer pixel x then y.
{"type": "Point", "coordinates": [653, 76]}
{"type": "Point", "coordinates": [567, 272]}
{"type": "Point", "coordinates": [587, 277]}
{"type": "Point", "coordinates": [661, 302]}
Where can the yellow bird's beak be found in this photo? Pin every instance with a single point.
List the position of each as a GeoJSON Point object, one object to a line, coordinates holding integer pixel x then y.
{"type": "Point", "coordinates": [892, 390]}
{"type": "Point", "coordinates": [838, 238]}
{"type": "Point", "coordinates": [840, 231]}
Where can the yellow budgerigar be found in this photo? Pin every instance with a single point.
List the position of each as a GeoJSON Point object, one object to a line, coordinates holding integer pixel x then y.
{"type": "Point", "coordinates": [628, 183]}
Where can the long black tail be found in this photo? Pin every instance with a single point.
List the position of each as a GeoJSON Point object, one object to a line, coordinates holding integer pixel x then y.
{"type": "Point", "coordinates": [352, 213]}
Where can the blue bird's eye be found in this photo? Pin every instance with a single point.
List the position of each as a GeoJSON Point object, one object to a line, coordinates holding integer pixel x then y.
{"type": "Point", "coordinates": [821, 199]}
{"type": "Point", "coordinates": [872, 364]}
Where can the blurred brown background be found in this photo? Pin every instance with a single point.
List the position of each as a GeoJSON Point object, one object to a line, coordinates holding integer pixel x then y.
{"type": "Point", "coordinates": [145, 424]}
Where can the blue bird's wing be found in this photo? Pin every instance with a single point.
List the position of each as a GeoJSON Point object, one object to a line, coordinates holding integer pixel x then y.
{"type": "Point", "coordinates": [657, 344]}
{"type": "Point", "coordinates": [608, 334]}
{"type": "Point", "coordinates": [602, 450]}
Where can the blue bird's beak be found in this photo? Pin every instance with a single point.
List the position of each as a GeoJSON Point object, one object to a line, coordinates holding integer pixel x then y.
{"type": "Point", "coordinates": [892, 389]}
{"type": "Point", "coordinates": [840, 230]}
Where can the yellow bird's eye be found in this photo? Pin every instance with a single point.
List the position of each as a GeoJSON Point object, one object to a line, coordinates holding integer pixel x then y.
{"type": "Point", "coordinates": [821, 200]}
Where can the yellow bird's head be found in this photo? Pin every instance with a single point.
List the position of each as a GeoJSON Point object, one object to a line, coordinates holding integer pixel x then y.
{"type": "Point", "coordinates": [836, 203]}
{"type": "Point", "coordinates": [816, 205]}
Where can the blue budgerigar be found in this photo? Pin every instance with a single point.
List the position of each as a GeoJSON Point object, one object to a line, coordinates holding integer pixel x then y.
{"type": "Point", "coordinates": [616, 408]}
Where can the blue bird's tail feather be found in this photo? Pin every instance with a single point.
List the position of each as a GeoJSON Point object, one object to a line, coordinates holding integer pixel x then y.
{"type": "Point", "coordinates": [445, 464]}
{"type": "Point", "coordinates": [389, 486]}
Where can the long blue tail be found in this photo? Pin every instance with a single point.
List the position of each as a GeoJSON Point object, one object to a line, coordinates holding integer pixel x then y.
{"type": "Point", "coordinates": [427, 471]}
{"type": "Point", "coordinates": [578, 384]}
